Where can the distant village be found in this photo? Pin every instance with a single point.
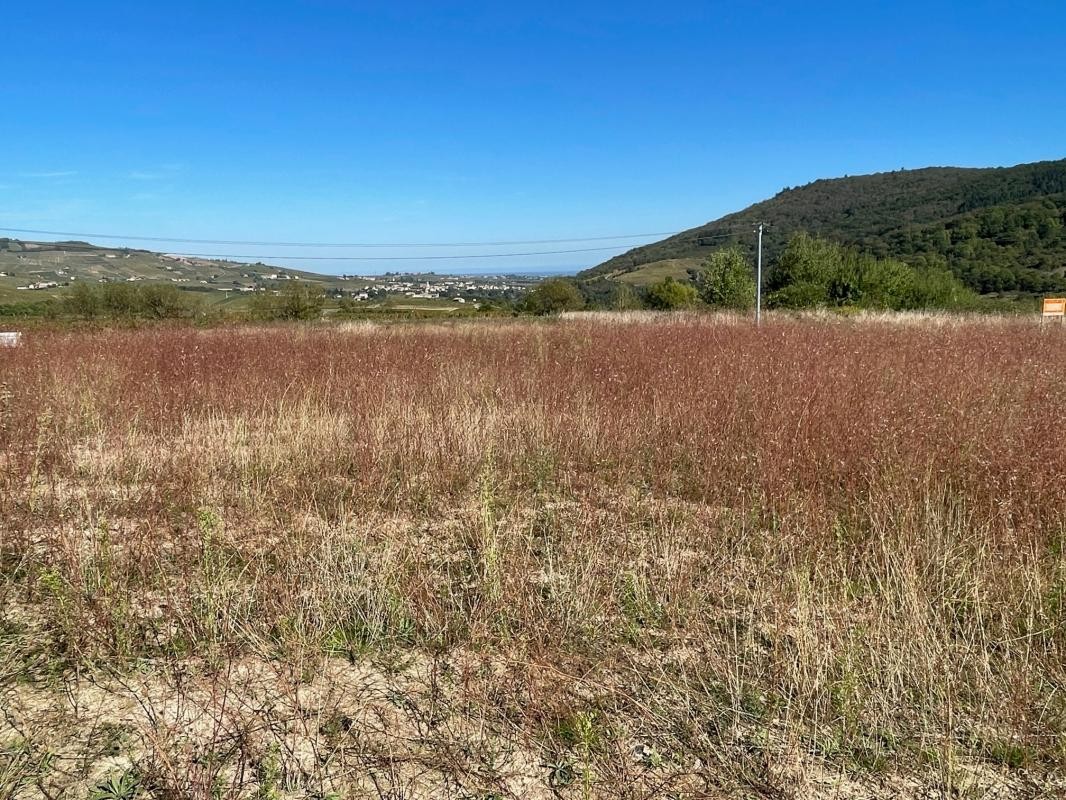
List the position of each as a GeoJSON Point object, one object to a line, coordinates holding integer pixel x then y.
{"type": "Point", "coordinates": [457, 288]}
{"type": "Point", "coordinates": [261, 278]}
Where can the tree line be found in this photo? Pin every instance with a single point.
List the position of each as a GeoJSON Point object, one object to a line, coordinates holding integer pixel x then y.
{"type": "Point", "coordinates": [811, 273]}
{"type": "Point", "coordinates": [156, 301]}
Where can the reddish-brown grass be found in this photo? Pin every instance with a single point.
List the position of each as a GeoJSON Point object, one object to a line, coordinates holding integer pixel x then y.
{"type": "Point", "coordinates": [767, 555]}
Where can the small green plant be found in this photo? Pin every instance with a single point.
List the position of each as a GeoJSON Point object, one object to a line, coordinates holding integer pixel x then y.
{"type": "Point", "coordinates": [209, 523]}
{"type": "Point", "coordinates": [639, 605]}
{"type": "Point", "coordinates": [119, 786]}
{"type": "Point", "coordinates": [560, 774]}
{"type": "Point", "coordinates": [210, 601]}
{"type": "Point", "coordinates": [580, 732]}
{"type": "Point", "coordinates": [268, 774]}
{"type": "Point", "coordinates": [1009, 754]}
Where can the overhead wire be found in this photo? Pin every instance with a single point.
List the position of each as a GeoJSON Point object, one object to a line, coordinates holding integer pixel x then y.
{"type": "Point", "coordinates": [304, 257]}
{"type": "Point", "coordinates": [263, 243]}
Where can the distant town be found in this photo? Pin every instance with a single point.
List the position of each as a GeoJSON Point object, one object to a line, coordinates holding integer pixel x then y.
{"type": "Point", "coordinates": [447, 287]}
{"type": "Point", "coordinates": [50, 267]}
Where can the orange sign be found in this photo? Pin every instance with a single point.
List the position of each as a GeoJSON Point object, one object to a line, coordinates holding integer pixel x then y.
{"type": "Point", "coordinates": [1054, 306]}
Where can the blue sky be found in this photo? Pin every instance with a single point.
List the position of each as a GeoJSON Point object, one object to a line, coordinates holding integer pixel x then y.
{"type": "Point", "coordinates": [441, 122]}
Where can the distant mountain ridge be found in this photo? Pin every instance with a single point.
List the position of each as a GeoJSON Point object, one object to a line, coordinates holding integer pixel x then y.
{"type": "Point", "coordinates": [998, 229]}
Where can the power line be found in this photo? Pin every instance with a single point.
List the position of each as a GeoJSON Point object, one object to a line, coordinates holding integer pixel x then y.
{"type": "Point", "coordinates": [264, 243]}
{"type": "Point", "coordinates": [233, 257]}
{"type": "Point", "coordinates": [241, 257]}
{"type": "Point", "coordinates": [337, 244]}
{"type": "Point", "coordinates": [456, 257]}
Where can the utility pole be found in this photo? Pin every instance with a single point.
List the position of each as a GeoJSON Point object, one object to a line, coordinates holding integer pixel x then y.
{"type": "Point", "coordinates": [758, 280]}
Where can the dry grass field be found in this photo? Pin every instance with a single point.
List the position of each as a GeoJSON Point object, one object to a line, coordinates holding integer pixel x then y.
{"type": "Point", "coordinates": [634, 557]}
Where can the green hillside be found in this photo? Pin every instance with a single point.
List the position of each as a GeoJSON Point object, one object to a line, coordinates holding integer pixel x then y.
{"type": "Point", "coordinates": [47, 269]}
{"type": "Point", "coordinates": [998, 229]}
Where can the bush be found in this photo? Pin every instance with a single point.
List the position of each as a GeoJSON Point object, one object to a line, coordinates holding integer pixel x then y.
{"type": "Point", "coordinates": [609, 295]}
{"type": "Point", "coordinates": [160, 301]}
{"type": "Point", "coordinates": [296, 301]}
{"type": "Point", "coordinates": [554, 296]}
{"type": "Point", "coordinates": [939, 288]}
{"type": "Point", "coordinates": [125, 300]}
{"type": "Point", "coordinates": [807, 260]}
{"type": "Point", "coordinates": [798, 295]}
{"type": "Point", "coordinates": [31, 308]}
{"type": "Point", "coordinates": [669, 295]}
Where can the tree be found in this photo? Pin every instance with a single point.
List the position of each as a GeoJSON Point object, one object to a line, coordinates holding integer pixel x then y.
{"type": "Point", "coordinates": [725, 280]}
{"type": "Point", "coordinates": [554, 296]}
{"type": "Point", "coordinates": [807, 260]}
{"type": "Point", "coordinates": [937, 287]}
{"type": "Point", "coordinates": [884, 284]}
{"type": "Point", "coordinates": [669, 294]}
{"type": "Point", "coordinates": [624, 297]}
{"type": "Point", "coordinates": [816, 272]}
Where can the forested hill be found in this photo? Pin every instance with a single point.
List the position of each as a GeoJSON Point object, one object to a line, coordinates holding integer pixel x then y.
{"type": "Point", "coordinates": [999, 229]}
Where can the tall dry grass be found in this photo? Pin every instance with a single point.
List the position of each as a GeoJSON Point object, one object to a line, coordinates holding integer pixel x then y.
{"type": "Point", "coordinates": [668, 555]}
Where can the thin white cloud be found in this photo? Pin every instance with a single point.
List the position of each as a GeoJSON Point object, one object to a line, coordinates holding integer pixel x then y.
{"type": "Point", "coordinates": [162, 172]}
{"type": "Point", "coordinates": [59, 173]}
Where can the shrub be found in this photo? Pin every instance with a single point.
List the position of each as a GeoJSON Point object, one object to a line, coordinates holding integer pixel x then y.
{"type": "Point", "coordinates": [125, 300]}
{"type": "Point", "coordinates": [30, 308]}
{"type": "Point", "coordinates": [807, 260]}
{"type": "Point", "coordinates": [669, 294]}
{"type": "Point", "coordinates": [160, 301]}
{"type": "Point", "coordinates": [554, 296]}
{"type": "Point", "coordinates": [296, 301]}
{"type": "Point", "coordinates": [804, 294]}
